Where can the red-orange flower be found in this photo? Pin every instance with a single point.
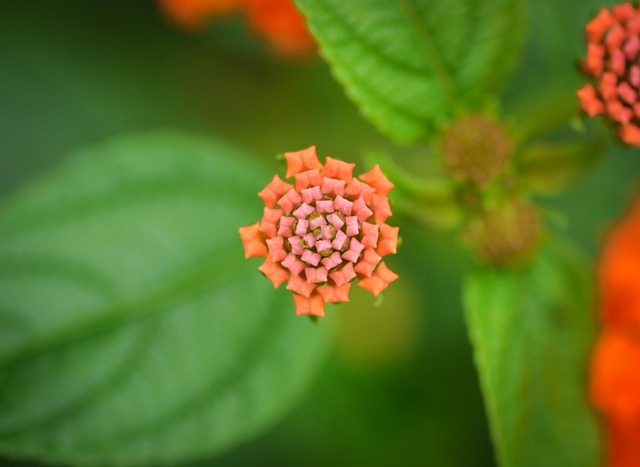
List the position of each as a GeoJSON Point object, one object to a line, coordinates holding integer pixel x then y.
{"type": "Point", "coordinates": [615, 369]}
{"type": "Point", "coordinates": [278, 22]}
{"type": "Point", "coordinates": [323, 231]}
{"type": "Point", "coordinates": [613, 48]}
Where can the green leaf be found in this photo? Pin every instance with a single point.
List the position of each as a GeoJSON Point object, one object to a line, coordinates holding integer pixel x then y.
{"type": "Point", "coordinates": [410, 64]}
{"type": "Point", "coordinates": [531, 330]}
{"type": "Point", "coordinates": [132, 329]}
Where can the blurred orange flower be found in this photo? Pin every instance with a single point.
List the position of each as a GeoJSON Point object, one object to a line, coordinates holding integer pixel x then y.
{"type": "Point", "coordinates": [278, 22]}
{"type": "Point", "coordinates": [323, 230]}
{"type": "Point", "coordinates": [615, 370]}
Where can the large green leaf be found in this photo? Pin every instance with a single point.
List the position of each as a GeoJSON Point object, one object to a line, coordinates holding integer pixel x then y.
{"type": "Point", "coordinates": [531, 331]}
{"type": "Point", "coordinates": [410, 64]}
{"type": "Point", "coordinates": [132, 329]}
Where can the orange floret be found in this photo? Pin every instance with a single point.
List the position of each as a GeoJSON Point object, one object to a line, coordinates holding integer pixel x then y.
{"type": "Point", "coordinates": [307, 179]}
{"type": "Point", "coordinates": [300, 286]}
{"type": "Point", "coordinates": [314, 305]}
{"type": "Point", "coordinates": [594, 62]}
{"type": "Point", "coordinates": [630, 134]}
{"type": "Point", "coordinates": [334, 168]}
{"type": "Point", "coordinates": [388, 242]}
{"type": "Point", "coordinates": [269, 222]}
{"type": "Point", "coordinates": [595, 29]}
{"type": "Point", "coordinates": [379, 280]}
{"type": "Point", "coordinates": [334, 293]}
{"type": "Point", "coordinates": [252, 241]}
{"type": "Point", "coordinates": [357, 189]}
{"type": "Point", "coordinates": [377, 180]}
{"type": "Point", "coordinates": [381, 209]}
{"type": "Point", "coordinates": [300, 161]}
{"type": "Point", "coordinates": [276, 274]}
{"type": "Point", "coordinates": [589, 100]}
{"type": "Point", "coordinates": [623, 11]}
{"type": "Point", "coordinates": [274, 190]}
{"type": "Point", "coordinates": [368, 262]}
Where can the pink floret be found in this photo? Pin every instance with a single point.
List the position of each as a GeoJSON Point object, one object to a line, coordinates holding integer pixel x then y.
{"type": "Point", "coordinates": [296, 245]}
{"type": "Point", "coordinates": [293, 264]}
{"type": "Point", "coordinates": [317, 222]}
{"type": "Point", "coordinates": [332, 261]}
{"type": "Point", "coordinates": [286, 223]}
{"type": "Point", "coordinates": [302, 227]}
{"type": "Point", "coordinates": [634, 76]}
{"type": "Point", "coordinates": [316, 275]}
{"type": "Point", "coordinates": [332, 186]}
{"type": "Point", "coordinates": [632, 47]}
{"type": "Point", "coordinates": [335, 221]}
{"type": "Point", "coordinates": [352, 226]}
{"type": "Point", "coordinates": [323, 245]}
{"type": "Point", "coordinates": [369, 235]}
{"type": "Point", "coordinates": [325, 206]}
{"type": "Point", "coordinates": [353, 253]}
{"type": "Point", "coordinates": [309, 195]}
{"type": "Point", "coordinates": [310, 240]}
{"type": "Point", "coordinates": [362, 210]}
{"type": "Point", "coordinates": [338, 242]}
{"type": "Point", "coordinates": [310, 257]}
{"type": "Point", "coordinates": [326, 232]}
{"type": "Point", "coordinates": [289, 200]}
{"type": "Point", "coordinates": [276, 248]}
{"type": "Point", "coordinates": [344, 275]}
{"type": "Point", "coordinates": [343, 205]}
{"type": "Point", "coordinates": [303, 211]}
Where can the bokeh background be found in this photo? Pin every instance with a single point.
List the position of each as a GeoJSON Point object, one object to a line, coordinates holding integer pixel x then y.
{"type": "Point", "coordinates": [399, 387]}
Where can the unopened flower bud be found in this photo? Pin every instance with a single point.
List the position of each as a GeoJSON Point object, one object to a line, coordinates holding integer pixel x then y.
{"type": "Point", "coordinates": [506, 233]}
{"type": "Point", "coordinates": [476, 148]}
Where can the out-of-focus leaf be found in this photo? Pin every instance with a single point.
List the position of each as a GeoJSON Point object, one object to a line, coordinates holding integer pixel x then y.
{"type": "Point", "coordinates": [531, 330]}
{"type": "Point", "coordinates": [409, 64]}
{"type": "Point", "coordinates": [132, 329]}
{"type": "Point", "coordinates": [553, 167]}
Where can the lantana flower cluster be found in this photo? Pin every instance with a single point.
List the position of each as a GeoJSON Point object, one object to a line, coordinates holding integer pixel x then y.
{"type": "Point", "coordinates": [615, 375]}
{"type": "Point", "coordinates": [276, 21]}
{"type": "Point", "coordinates": [612, 61]}
{"type": "Point", "coordinates": [324, 231]}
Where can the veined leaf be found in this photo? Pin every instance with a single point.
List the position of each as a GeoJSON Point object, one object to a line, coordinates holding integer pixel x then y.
{"type": "Point", "coordinates": [409, 64]}
{"type": "Point", "coordinates": [531, 330]}
{"type": "Point", "coordinates": [132, 329]}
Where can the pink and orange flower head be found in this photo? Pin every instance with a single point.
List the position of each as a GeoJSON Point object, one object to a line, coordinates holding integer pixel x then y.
{"type": "Point", "coordinates": [612, 63]}
{"type": "Point", "coordinates": [323, 231]}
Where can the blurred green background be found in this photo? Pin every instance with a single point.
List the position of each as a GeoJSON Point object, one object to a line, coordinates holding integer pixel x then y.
{"type": "Point", "coordinates": [400, 387]}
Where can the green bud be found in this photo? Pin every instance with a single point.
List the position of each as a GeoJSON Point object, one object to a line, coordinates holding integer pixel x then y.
{"type": "Point", "coordinates": [476, 148]}
{"type": "Point", "coordinates": [506, 233]}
